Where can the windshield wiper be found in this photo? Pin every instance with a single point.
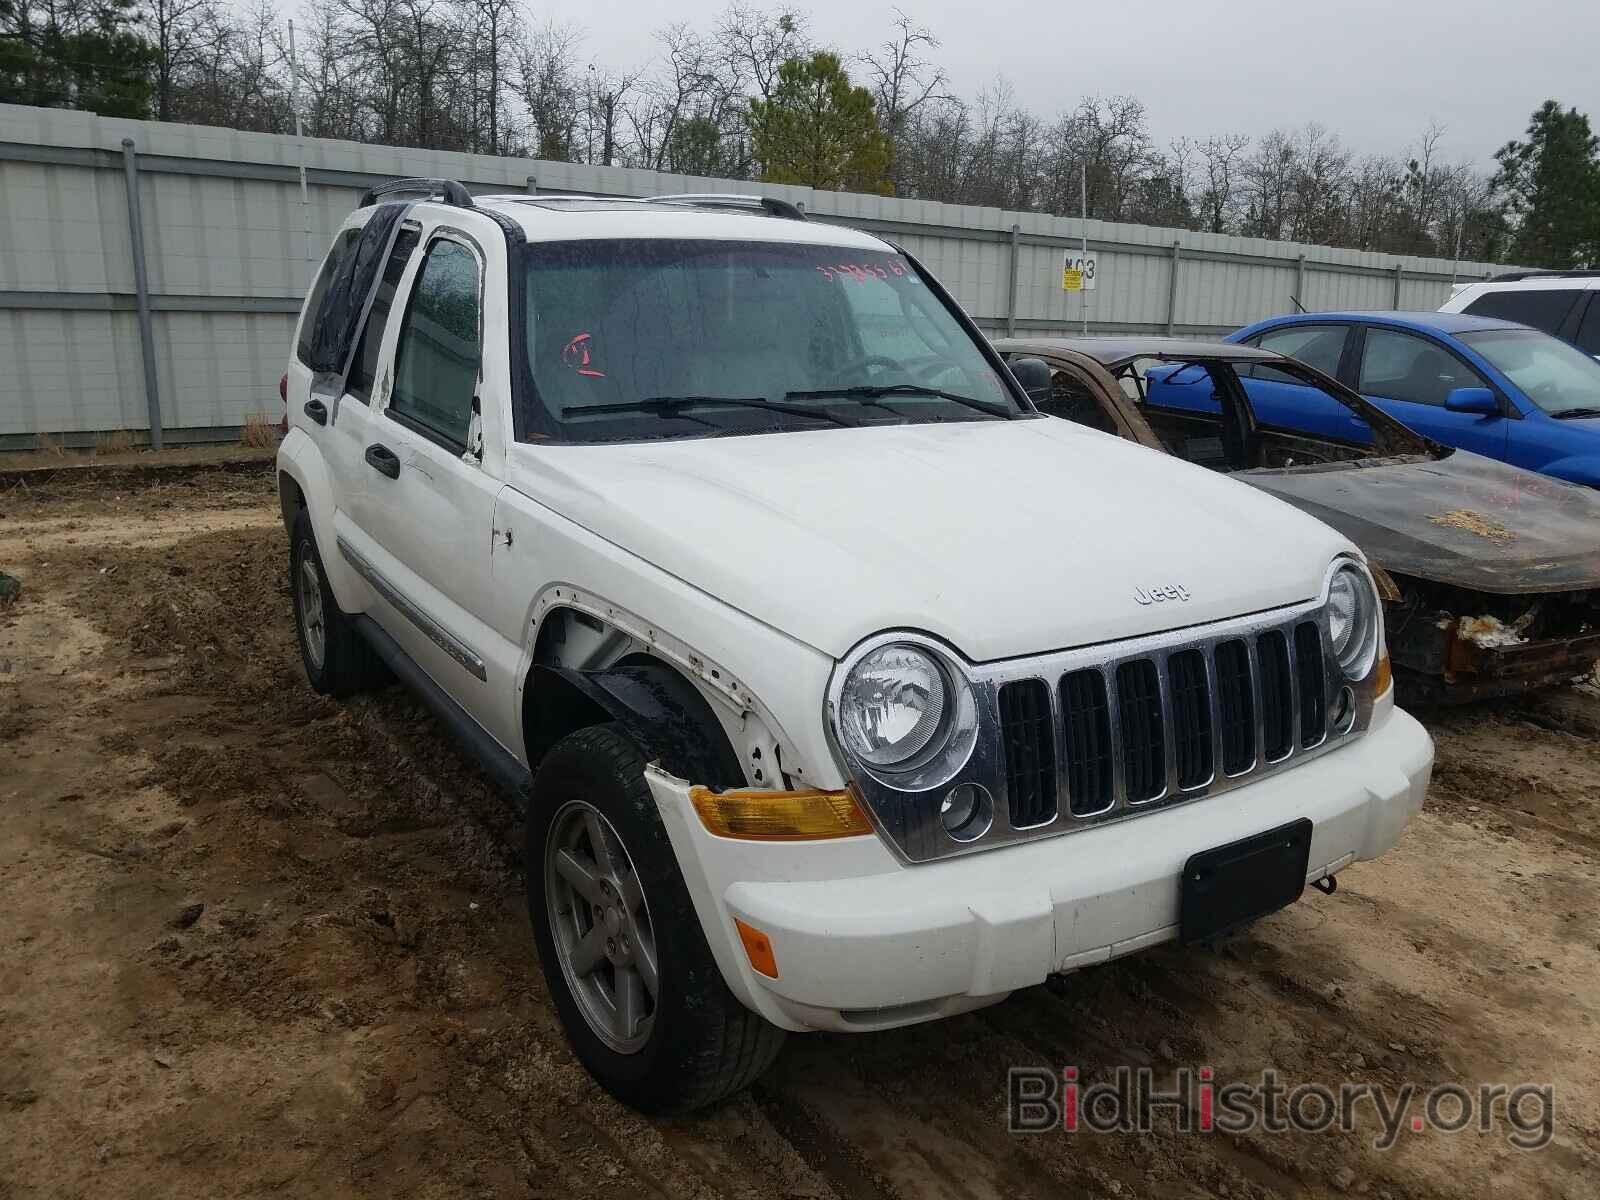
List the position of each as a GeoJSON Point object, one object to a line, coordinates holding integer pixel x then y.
{"type": "Point", "coordinates": [875, 391]}
{"type": "Point", "coordinates": [1567, 413]}
{"type": "Point", "coordinates": [673, 406]}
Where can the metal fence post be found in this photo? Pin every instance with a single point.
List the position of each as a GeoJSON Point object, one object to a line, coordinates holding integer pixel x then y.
{"type": "Point", "coordinates": [141, 287]}
{"type": "Point", "coordinates": [1300, 283]}
{"type": "Point", "coordinates": [1172, 288]}
{"type": "Point", "coordinates": [1399, 271]}
{"type": "Point", "coordinates": [1011, 305]}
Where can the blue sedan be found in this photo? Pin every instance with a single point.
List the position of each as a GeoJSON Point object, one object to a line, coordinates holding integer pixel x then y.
{"type": "Point", "coordinates": [1489, 386]}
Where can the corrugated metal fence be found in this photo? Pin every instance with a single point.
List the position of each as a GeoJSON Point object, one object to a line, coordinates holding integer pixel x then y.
{"type": "Point", "coordinates": [228, 247]}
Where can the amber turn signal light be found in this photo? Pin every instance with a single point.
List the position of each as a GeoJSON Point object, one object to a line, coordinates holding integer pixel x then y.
{"type": "Point", "coordinates": [1382, 675]}
{"type": "Point", "coordinates": [758, 948]}
{"type": "Point", "coordinates": [761, 816]}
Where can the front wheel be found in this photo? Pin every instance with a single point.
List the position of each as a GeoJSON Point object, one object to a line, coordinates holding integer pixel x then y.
{"type": "Point", "coordinates": [638, 992]}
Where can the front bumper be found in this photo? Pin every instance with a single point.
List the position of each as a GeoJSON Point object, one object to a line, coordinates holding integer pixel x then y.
{"type": "Point", "coordinates": [863, 941]}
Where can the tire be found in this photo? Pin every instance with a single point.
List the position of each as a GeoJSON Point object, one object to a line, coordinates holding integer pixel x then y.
{"type": "Point", "coordinates": [338, 660]}
{"type": "Point", "coordinates": [692, 1043]}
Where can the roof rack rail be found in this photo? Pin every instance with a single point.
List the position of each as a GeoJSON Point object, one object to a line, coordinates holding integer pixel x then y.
{"type": "Point", "coordinates": [447, 190]}
{"type": "Point", "coordinates": [768, 204]}
{"type": "Point", "coordinates": [1514, 276]}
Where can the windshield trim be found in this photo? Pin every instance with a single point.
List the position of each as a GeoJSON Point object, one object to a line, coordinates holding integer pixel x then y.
{"type": "Point", "coordinates": [534, 424]}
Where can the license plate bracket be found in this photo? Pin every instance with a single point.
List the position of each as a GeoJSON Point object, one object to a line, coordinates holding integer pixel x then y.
{"type": "Point", "coordinates": [1229, 886]}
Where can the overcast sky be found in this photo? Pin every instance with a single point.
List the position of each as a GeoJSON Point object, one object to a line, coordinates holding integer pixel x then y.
{"type": "Point", "coordinates": [1373, 71]}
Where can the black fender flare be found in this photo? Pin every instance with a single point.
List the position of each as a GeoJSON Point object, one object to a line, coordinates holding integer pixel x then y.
{"type": "Point", "coordinates": [657, 707]}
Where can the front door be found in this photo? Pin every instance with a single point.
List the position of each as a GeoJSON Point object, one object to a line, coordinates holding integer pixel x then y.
{"type": "Point", "coordinates": [1409, 376]}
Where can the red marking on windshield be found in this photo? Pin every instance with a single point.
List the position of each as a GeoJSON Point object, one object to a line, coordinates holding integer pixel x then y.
{"type": "Point", "coordinates": [863, 272]}
{"type": "Point", "coordinates": [576, 355]}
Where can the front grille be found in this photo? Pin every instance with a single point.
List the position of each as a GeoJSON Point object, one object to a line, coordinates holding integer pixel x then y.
{"type": "Point", "coordinates": [1191, 717]}
{"type": "Point", "coordinates": [1029, 746]}
{"type": "Point", "coordinates": [1086, 716]}
{"type": "Point", "coordinates": [1236, 708]}
{"type": "Point", "coordinates": [1313, 700]}
{"type": "Point", "coordinates": [1277, 706]}
{"type": "Point", "coordinates": [1155, 725]}
{"type": "Point", "coordinates": [1144, 743]}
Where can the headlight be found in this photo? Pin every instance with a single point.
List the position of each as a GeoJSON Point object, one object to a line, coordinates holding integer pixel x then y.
{"type": "Point", "coordinates": [1352, 621]}
{"type": "Point", "coordinates": [894, 705]}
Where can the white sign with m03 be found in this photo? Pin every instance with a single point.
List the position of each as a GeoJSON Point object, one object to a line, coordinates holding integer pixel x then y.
{"type": "Point", "coordinates": [1078, 271]}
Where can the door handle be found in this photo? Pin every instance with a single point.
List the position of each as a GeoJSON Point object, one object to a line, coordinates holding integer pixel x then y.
{"type": "Point", "coordinates": [383, 460]}
{"type": "Point", "coordinates": [317, 411]}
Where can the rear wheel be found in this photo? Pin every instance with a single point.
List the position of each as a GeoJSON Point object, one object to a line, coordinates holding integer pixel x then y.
{"type": "Point", "coordinates": [338, 660]}
{"type": "Point", "coordinates": [640, 996]}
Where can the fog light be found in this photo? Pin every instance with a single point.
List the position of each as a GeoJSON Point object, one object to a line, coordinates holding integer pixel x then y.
{"type": "Point", "coordinates": [967, 812]}
{"type": "Point", "coordinates": [1344, 710]}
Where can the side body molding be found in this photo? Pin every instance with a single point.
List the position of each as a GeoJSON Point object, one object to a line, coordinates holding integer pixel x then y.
{"type": "Point", "coordinates": [437, 633]}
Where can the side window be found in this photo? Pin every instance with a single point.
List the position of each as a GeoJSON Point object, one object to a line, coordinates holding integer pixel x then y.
{"type": "Point", "coordinates": [1400, 366]}
{"type": "Point", "coordinates": [1542, 308]}
{"type": "Point", "coordinates": [1589, 331]}
{"type": "Point", "coordinates": [342, 246]}
{"type": "Point", "coordinates": [363, 371]}
{"type": "Point", "coordinates": [437, 356]}
{"type": "Point", "coordinates": [1318, 346]}
{"type": "Point", "coordinates": [1072, 400]}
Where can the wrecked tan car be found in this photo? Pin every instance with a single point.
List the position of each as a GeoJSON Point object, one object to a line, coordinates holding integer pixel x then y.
{"type": "Point", "coordinates": [1490, 574]}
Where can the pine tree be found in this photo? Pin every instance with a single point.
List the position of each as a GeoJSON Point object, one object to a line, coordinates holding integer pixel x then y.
{"type": "Point", "coordinates": [819, 129]}
{"type": "Point", "coordinates": [1551, 185]}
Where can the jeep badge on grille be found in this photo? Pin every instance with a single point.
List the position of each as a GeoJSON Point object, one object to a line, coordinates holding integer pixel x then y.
{"type": "Point", "coordinates": [1160, 595]}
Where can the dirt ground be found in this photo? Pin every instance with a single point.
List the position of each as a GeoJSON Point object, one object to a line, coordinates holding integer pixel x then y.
{"type": "Point", "coordinates": [258, 943]}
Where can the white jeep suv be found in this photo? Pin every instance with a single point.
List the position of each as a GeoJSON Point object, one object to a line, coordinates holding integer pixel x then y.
{"type": "Point", "coordinates": [844, 690]}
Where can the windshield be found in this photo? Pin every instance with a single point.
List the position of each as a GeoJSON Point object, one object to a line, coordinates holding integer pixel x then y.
{"type": "Point", "coordinates": [651, 338]}
{"type": "Point", "coordinates": [1557, 377]}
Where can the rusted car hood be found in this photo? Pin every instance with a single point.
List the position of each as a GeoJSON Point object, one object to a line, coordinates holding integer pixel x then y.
{"type": "Point", "coordinates": [1461, 519]}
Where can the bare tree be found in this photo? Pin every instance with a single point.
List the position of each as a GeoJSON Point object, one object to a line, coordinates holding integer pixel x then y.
{"type": "Point", "coordinates": [550, 89]}
{"type": "Point", "coordinates": [756, 42]}
{"type": "Point", "coordinates": [495, 24]}
{"type": "Point", "coordinates": [1222, 157]}
{"type": "Point", "coordinates": [178, 29]}
{"type": "Point", "coordinates": [903, 81]}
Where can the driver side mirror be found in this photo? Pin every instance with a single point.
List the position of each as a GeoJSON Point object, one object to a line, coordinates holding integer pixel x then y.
{"type": "Point", "coordinates": [1478, 400]}
{"type": "Point", "coordinates": [1034, 376]}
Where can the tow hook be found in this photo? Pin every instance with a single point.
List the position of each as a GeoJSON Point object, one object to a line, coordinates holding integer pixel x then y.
{"type": "Point", "coordinates": [1327, 885]}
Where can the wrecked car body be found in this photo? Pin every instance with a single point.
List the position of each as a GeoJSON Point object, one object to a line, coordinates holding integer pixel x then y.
{"type": "Point", "coordinates": [1489, 574]}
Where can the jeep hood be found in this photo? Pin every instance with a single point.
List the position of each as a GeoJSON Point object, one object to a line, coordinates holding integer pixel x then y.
{"type": "Point", "coordinates": [1003, 538]}
{"type": "Point", "coordinates": [1461, 519]}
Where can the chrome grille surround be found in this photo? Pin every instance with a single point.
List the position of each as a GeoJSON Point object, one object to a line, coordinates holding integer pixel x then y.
{"type": "Point", "coordinates": [909, 820]}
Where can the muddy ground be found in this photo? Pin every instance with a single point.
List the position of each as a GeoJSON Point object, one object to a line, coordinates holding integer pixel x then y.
{"type": "Point", "coordinates": [256, 943]}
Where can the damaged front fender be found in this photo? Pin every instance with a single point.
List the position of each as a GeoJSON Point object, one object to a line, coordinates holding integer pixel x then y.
{"type": "Point", "coordinates": [659, 709]}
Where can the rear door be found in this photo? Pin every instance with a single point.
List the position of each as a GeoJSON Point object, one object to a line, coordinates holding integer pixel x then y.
{"type": "Point", "coordinates": [424, 537]}
{"type": "Point", "coordinates": [1409, 376]}
{"type": "Point", "coordinates": [349, 400]}
{"type": "Point", "coordinates": [1282, 401]}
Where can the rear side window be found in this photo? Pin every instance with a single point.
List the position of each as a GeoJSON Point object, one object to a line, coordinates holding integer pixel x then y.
{"type": "Point", "coordinates": [1399, 366]}
{"type": "Point", "coordinates": [342, 246]}
{"type": "Point", "coordinates": [1542, 308]}
{"type": "Point", "coordinates": [364, 370]}
{"type": "Point", "coordinates": [1589, 331]}
{"type": "Point", "coordinates": [437, 356]}
{"type": "Point", "coordinates": [1319, 346]}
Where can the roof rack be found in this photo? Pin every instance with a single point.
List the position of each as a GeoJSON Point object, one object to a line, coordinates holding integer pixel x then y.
{"type": "Point", "coordinates": [1514, 276]}
{"type": "Point", "coordinates": [768, 204]}
{"type": "Point", "coordinates": [447, 190]}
